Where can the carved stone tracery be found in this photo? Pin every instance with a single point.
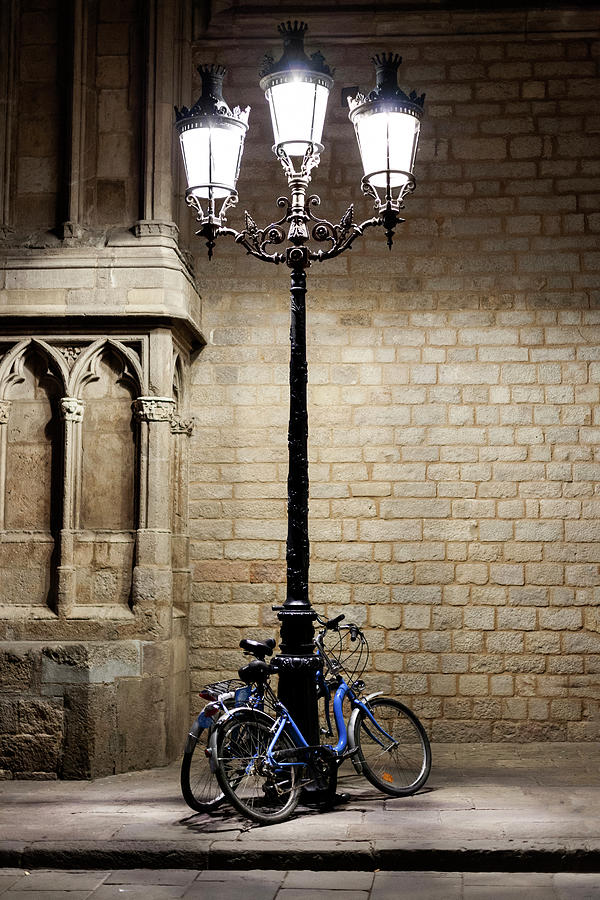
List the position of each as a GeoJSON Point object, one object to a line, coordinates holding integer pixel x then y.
{"type": "Point", "coordinates": [4, 411]}
{"type": "Point", "coordinates": [70, 354]}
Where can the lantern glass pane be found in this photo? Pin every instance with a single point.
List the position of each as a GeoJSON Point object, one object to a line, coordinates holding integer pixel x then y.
{"type": "Point", "coordinates": [298, 109]}
{"type": "Point", "coordinates": [387, 141]}
{"type": "Point", "coordinates": [212, 154]}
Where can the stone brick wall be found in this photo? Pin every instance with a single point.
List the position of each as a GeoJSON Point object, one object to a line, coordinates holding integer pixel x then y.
{"type": "Point", "coordinates": [454, 382]}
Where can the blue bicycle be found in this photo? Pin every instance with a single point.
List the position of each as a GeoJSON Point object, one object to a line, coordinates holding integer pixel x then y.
{"type": "Point", "coordinates": [262, 763]}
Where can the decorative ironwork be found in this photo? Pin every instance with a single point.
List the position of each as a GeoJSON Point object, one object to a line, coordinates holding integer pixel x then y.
{"type": "Point", "coordinates": [293, 56]}
{"type": "Point", "coordinates": [386, 86]}
{"type": "Point", "coordinates": [211, 101]}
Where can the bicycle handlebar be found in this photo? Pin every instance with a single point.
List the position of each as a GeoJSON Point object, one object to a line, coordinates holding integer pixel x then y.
{"type": "Point", "coordinates": [331, 624]}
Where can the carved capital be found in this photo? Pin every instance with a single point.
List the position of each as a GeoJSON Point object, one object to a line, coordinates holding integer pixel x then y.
{"type": "Point", "coordinates": [72, 232]}
{"type": "Point", "coordinates": [154, 409]}
{"type": "Point", "coordinates": [71, 409]}
{"type": "Point", "coordinates": [4, 411]}
{"type": "Point", "coordinates": [179, 425]}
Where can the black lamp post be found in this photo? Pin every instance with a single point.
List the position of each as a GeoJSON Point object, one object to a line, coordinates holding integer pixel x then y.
{"type": "Point", "coordinates": [212, 135]}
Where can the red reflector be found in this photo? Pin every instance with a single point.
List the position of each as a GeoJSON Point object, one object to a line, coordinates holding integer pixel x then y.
{"type": "Point", "coordinates": [207, 695]}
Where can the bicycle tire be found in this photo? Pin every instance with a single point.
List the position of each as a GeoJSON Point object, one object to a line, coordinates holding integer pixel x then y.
{"type": "Point", "coordinates": [238, 747]}
{"type": "Point", "coordinates": [401, 769]}
{"type": "Point", "coordinates": [200, 788]}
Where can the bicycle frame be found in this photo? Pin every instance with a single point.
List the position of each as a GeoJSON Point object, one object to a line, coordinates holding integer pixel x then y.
{"type": "Point", "coordinates": [345, 733]}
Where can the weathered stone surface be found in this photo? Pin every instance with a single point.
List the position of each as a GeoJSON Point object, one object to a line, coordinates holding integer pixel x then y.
{"type": "Point", "coordinates": [19, 668]}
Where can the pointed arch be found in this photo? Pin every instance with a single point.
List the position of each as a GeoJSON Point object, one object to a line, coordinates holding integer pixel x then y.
{"type": "Point", "coordinates": [85, 369]}
{"type": "Point", "coordinates": [11, 366]}
{"type": "Point", "coordinates": [32, 381]}
{"type": "Point", "coordinates": [178, 383]}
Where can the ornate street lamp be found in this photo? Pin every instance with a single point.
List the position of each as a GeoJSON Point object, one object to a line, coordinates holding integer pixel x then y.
{"type": "Point", "coordinates": [212, 137]}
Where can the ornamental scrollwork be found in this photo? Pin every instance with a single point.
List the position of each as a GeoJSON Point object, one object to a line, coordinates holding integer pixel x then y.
{"type": "Point", "coordinates": [256, 240]}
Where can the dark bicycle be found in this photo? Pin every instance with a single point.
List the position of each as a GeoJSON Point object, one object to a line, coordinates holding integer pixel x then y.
{"type": "Point", "coordinates": [199, 786]}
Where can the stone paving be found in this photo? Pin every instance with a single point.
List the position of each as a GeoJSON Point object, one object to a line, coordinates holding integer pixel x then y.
{"type": "Point", "coordinates": [486, 807]}
{"type": "Point", "coordinates": [160, 884]}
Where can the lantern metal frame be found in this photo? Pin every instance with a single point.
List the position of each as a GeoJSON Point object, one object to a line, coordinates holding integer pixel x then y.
{"type": "Point", "coordinates": [212, 108]}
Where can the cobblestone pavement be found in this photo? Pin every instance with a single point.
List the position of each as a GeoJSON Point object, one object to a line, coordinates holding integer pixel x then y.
{"type": "Point", "coordinates": [486, 807]}
{"type": "Point", "coordinates": [160, 884]}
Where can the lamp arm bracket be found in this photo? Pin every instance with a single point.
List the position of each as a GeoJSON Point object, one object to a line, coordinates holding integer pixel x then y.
{"type": "Point", "coordinates": [255, 240]}
{"type": "Point", "coordinates": [342, 236]}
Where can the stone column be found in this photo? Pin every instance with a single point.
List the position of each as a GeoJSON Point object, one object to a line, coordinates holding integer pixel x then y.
{"type": "Point", "coordinates": [9, 55]}
{"type": "Point", "coordinates": [181, 430]}
{"type": "Point", "coordinates": [4, 414]}
{"type": "Point", "coordinates": [71, 411]}
{"type": "Point", "coordinates": [161, 18]}
{"type": "Point", "coordinates": [83, 62]}
{"type": "Point", "coordinates": [152, 575]}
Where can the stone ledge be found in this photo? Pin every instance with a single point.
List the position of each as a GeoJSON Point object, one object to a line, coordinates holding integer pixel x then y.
{"type": "Point", "coordinates": [128, 277]}
{"type": "Point", "coordinates": [322, 856]}
{"type": "Point", "coordinates": [419, 20]}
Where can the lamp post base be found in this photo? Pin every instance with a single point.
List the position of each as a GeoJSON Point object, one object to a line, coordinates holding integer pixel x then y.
{"type": "Point", "coordinates": [296, 667]}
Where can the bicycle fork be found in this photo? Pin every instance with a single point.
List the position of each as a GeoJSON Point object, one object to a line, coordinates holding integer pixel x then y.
{"type": "Point", "coordinates": [362, 705]}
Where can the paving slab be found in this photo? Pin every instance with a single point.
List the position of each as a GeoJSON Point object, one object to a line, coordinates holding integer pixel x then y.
{"type": "Point", "coordinates": [531, 807]}
{"type": "Point", "coordinates": [161, 884]}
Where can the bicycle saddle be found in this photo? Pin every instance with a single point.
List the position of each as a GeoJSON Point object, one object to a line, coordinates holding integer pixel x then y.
{"type": "Point", "coordinates": [256, 671]}
{"type": "Point", "coordinates": [259, 649]}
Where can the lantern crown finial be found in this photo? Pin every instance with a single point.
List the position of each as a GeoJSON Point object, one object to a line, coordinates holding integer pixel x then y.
{"type": "Point", "coordinates": [212, 76]}
{"type": "Point", "coordinates": [291, 32]}
{"type": "Point", "coordinates": [211, 100]}
{"type": "Point", "coordinates": [294, 55]}
{"type": "Point", "coordinates": [386, 86]}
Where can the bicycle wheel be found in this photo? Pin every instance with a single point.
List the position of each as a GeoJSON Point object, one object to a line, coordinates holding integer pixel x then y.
{"type": "Point", "coordinates": [399, 766]}
{"type": "Point", "coordinates": [260, 789]}
{"type": "Point", "coordinates": [199, 786]}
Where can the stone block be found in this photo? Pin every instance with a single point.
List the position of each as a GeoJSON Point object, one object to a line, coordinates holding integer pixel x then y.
{"type": "Point", "coordinates": [9, 718]}
{"type": "Point", "coordinates": [112, 200]}
{"type": "Point", "coordinates": [23, 754]}
{"type": "Point", "coordinates": [19, 668]}
{"type": "Point", "coordinates": [40, 717]}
